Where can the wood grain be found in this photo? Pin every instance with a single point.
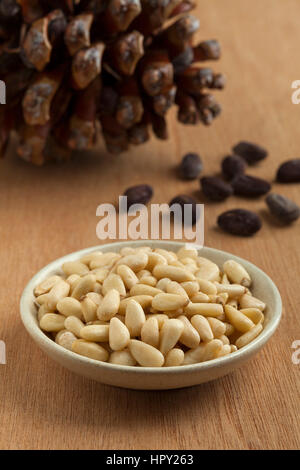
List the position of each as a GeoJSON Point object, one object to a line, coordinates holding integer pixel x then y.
{"type": "Point", "coordinates": [48, 212]}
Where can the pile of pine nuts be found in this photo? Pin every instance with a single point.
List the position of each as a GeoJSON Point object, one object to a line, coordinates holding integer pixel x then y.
{"type": "Point", "coordinates": [150, 307]}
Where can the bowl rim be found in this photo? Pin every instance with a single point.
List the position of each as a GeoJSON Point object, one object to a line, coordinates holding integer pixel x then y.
{"type": "Point", "coordinates": [39, 336]}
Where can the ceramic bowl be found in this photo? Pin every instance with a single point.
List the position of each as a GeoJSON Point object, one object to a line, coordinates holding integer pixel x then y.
{"type": "Point", "coordinates": [143, 378]}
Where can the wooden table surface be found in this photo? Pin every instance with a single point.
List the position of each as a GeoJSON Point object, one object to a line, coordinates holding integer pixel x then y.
{"type": "Point", "coordinates": [48, 212]}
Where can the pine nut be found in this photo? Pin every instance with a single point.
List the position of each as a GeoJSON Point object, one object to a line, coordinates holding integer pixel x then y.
{"type": "Point", "coordinates": [123, 358]}
{"type": "Point", "coordinates": [136, 262]}
{"type": "Point", "coordinates": [97, 333]}
{"type": "Point", "coordinates": [134, 318]}
{"type": "Point", "coordinates": [70, 306]}
{"type": "Point", "coordinates": [154, 259]}
{"type": "Point", "coordinates": [191, 288]}
{"type": "Point", "coordinates": [143, 273]}
{"type": "Point", "coordinates": [219, 298]}
{"type": "Point", "coordinates": [224, 339]}
{"type": "Point", "coordinates": [146, 355]}
{"type": "Point", "coordinates": [187, 253]}
{"type": "Point", "coordinates": [224, 279]}
{"type": "Point", "coordinates": [144, 300]}
{"type": "Point", "coordinates": [207, 287]}
{"type": "Point", "coordinates": [128, 276]}
{"type": "Point", "coordinates": [143, 289]}
{"type": "Point", "coordinates": [238, 319]}
{"type": "Point", "coordinates": [149, 281]}
{"type": "Point", "coordinates": [164, 302]}
{"type": "Point", "coordinates": [60, 290]}
{"type": "Point", "coordinates": [236, 273]}
{"type": "Point", "coordinates": [109, 306]}
{"type": "Point", "coordinates": [52, 322]}
{"type": "Point", "coordinates": [191, 267]}
{"type": "Point", "coordinates": [104, 260]}
{"type": "Point", "coordinates": [221, 317]}
{"type": "Point", "coordinates": [207, 310]}
{"type": "Point", "coordinates": [45, 286]}
{"type": "Point", "coordinates": [233, 302]}
{"type": "Point", "coordinates": [85, 285]}
{"type": "Point", "coordinates": [162, 284]}
{"type": "Point", "coordinates": [150, 331]}
{"type": "Point", "coordinates": [174, 358]}
{"type": "Point", "coordinates": [226, 349]}
{"type": "Point", "coordinates": [218, 327]}
{"type": "Point", "coordinates": [75, 267]}
{"type": "Point", "coordinates": [100, 274]}
{"type": "Point", "coordinates": [114, 281]}
{"type": "Point", "coordinates": [229, 329]}
{"type": "Point", "coordinates": [119, 335]}
{"type": "Point", "coordinates": [144, 249]}
{"type": "Point", "coordinates": [172, 272]}
{"type": "Point", "coordinates": [97, 288]}
{"type": "Point", "coordinates": [73, 281]}
{"type": "Point", "coordinates": [160, 317]}
{"type": "Point", "coordinates": [90, 350]}
{"type": "Point", "coordinates": [96, 298]}
{"type": "Point", "coordinates": [88, 258]}
{"type": "Point", "coordinates": [190, 336]}
{"type": "Point", "coordinates": [170, 334]}
{"type": "Point", "coordinates": [233, 348]}
{"type": "Point", "coordinates": [208, 270]}
{"type": "Point", "coordinates": [234, 291]}
{"type": "Point", "coordinates": [248, 301]}
{"type": "Point", "coordinates": [246, 338]}
{"type": "Point", "coordinates": [222, 298]}
{"type": "Point", "coordinates": [74, 324]}
{"type": "Point", "coordinates": [200, 298]}
{"type": "Point", "coordinates": [186, 261]}
{"type": "Point", "coordinates": [174, 313]}
{"type": "Point", "coordinates": [178, 264]}
{"type": "Point", "coordinates": [204, 352]}
{"type": "Point", "coordinates": [203, 327]}
{"type": "Point", "coordinates": [65, 339]}
{"type": "Point", "coordinates": [43, 303]}
{"type": "Point", "coordinates": [174, 287]}
{"type": "Point", "coordinates": [254, 314]}
{"type": "Point", "coordinates": [168, 255]}
{"type": "Point", "coordinates": [43, 309]}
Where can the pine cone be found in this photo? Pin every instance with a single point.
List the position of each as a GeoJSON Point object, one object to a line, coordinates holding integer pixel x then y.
{"type": "Point", "coordinates": [69, 65]}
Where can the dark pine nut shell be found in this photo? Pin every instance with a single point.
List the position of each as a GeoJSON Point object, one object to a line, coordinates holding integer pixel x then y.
{"type": "Point", "coordinates": [250, 186]}
{"type": "Point", "coordinates": [250, 152]}
{"type": "Point", "coordinates": [232, 166]}
{"type": "Point", "coordinates": [240, 222]}
{"type": "Point", "coordinates": [191, 166]}
{"type": "Point", "coordinates": [140, 194]}
{"type": "Point", "coordinates": [289, 172]}
{"type": "Point", "coordinates": [285, 210]}
{"type": "Point", "coordinates": [215, 189]}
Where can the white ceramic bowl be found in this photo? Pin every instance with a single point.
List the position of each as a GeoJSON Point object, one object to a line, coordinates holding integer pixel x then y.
{"type": "Point", "coordinates": [153, 378]}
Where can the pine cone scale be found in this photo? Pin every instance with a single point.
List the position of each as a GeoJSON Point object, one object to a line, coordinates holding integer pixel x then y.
{"type": "Point", "coordinates": [74, 64]}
